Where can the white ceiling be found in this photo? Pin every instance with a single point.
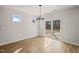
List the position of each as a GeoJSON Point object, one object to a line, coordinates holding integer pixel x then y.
{"type": "Point", "coordinates": [34, 9]}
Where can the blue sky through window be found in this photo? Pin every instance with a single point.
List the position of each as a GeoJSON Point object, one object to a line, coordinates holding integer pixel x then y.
{"type": "Point", "coordinates": [16, 19]}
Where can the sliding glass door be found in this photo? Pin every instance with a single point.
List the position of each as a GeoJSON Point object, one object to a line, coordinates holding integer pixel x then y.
{"type": "Point", "coordinates": [56, 25]}
{"type": "Point", "coordinates": [52, 28]}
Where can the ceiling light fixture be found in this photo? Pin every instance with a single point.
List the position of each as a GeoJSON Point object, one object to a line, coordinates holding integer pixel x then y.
{"type": "Point", "coordinates": [40, 17]}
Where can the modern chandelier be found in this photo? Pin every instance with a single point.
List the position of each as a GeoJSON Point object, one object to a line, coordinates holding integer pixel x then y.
{"type": "Point", "coordinates": [40, 17]}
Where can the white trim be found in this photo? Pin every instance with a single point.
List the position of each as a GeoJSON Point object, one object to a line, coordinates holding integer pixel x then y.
{"type": "Point", "coordinates": [9, 42]}
{"type": "Point", "coordinates": [70, 43]}
{"type": "Point", "coordinates": [16, 40]}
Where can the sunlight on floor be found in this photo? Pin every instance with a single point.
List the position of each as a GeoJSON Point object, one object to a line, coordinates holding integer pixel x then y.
{"type": "Point", "coordinates": [18, 50]}
{"type": "Point", "coordinates": [48, 41]}
{"type": "Point", "coordinates": [52, 45]}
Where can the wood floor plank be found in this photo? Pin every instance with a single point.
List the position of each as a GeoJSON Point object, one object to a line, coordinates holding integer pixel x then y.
{"type": "Point", "coordinates": [37, 45]}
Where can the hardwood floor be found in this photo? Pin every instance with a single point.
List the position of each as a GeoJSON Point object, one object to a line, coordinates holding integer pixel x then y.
{"type": "Point", "coordinates": [39, 45]}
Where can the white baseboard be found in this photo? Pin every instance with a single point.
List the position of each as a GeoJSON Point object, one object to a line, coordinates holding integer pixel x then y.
{"type": "Point", "coordinates": [15, 40]}
{"type": "Point", "coordinates": [10, 42]}
{"type": "Point", "coordinates": [70, 43]}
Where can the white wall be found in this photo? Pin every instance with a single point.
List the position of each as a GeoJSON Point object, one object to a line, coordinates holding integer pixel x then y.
{"type": "Point", "coordinates": [11, 32]}
{"type": "Point", "coordinates": [69, 24]}
{"type": "Point", "coordinates": [42, 28]}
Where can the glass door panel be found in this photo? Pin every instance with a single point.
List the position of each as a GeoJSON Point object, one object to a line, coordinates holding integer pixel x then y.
{"type": "Point", "coordinates": [48, 26]}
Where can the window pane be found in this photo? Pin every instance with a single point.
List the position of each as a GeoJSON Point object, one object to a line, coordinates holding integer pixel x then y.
{"type": "Point", "coordinates": [48, 25]}
{"type": "Point", "coordinates": [16, 19]}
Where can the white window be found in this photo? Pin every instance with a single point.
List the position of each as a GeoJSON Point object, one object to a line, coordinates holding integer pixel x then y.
{"type": "Point", "coordinates": [16, 18]}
